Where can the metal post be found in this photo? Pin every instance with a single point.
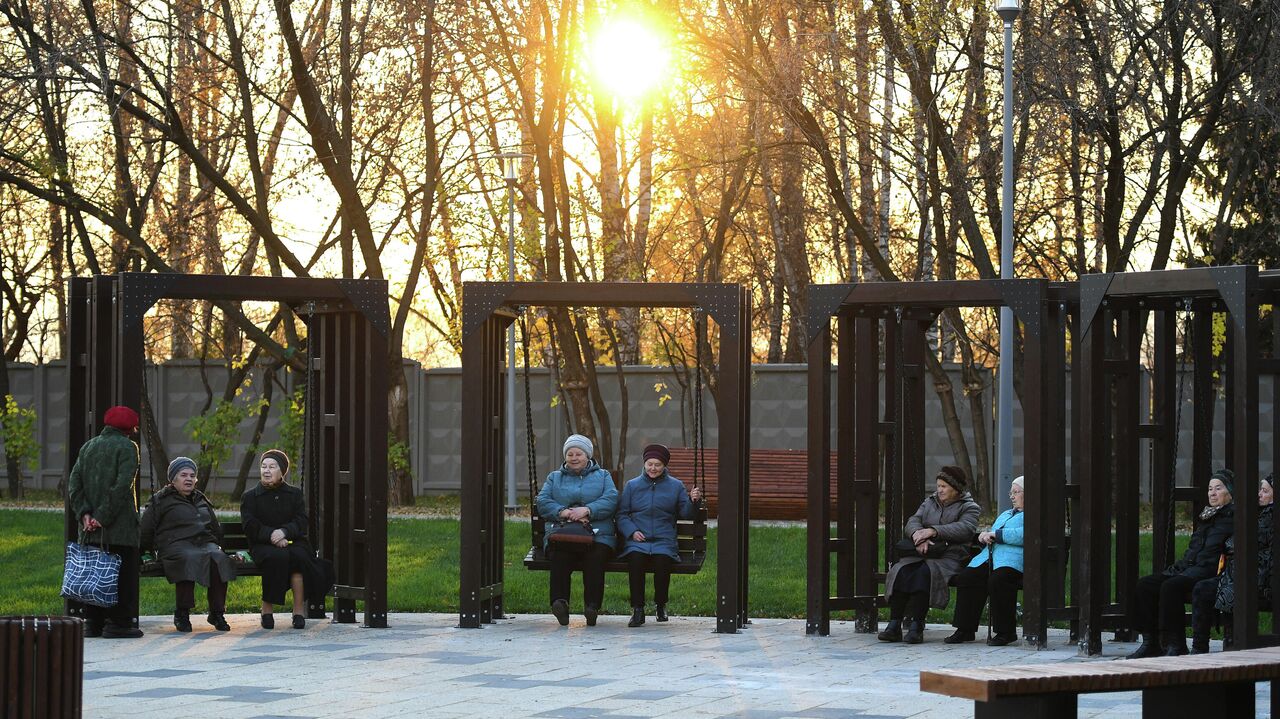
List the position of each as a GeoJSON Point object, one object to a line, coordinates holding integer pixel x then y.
{"type": "Point", "coordinates": [1008, 10]}
{"type": "Point", "coordinates": [511, 343]}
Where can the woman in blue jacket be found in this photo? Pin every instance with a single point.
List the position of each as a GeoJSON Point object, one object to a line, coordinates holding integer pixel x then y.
{"type": "Point", "coordinates": [647, 514]}
{"type": "Point", "coordinates": [994, 571]}
{"type": "Point", "coordinates": [579, 492]}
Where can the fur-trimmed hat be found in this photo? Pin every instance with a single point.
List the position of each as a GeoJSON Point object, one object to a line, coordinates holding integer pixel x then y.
{"type": "Point", "coordinates": [954, 476]}
{"type": "Point", "coordinates": [280, 457]}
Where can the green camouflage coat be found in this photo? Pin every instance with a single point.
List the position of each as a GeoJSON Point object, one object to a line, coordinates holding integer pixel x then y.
{"type": "Point", "coordinates": [102, 484]}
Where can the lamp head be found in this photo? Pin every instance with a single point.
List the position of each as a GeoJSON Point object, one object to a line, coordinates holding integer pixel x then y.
{"type": "Point", "coordinates": [1008, 10]}
{"type": "Point", "coordinates": [511, 165]}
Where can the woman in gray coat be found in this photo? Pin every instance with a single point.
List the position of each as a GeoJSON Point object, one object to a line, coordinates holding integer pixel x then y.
{"type": "Point", "coordinates": [647, 514]}
{"type": "Point", "coordinates": [945, 523]}
{"type": "Point", "coordinates": [180, 524]}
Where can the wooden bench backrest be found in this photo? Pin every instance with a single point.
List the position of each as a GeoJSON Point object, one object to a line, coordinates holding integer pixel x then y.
{"type": "Point", "coordinates": [691, 534]}
{"type": "Point", "coordinates": [233, 538]}
{"type": "Point", "coordinates": [989, 683]}
{"type": "Point", "coordinates": [779, 480]}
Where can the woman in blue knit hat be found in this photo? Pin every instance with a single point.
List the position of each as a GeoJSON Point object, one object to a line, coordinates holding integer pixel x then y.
{"type": "Point", "coordinates": [578, 498]}
{"type": "Point", "coordinates": [180, 524]}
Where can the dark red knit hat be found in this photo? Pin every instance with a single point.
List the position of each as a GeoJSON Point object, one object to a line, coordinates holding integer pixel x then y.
{"type": "Point", "coordinates": [658, 452]}
{"type": "Point", "coordinates": [122, 418]}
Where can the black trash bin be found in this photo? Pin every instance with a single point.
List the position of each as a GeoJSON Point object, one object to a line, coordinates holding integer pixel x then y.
{"type": "Point", "coordinates": [41, 666]}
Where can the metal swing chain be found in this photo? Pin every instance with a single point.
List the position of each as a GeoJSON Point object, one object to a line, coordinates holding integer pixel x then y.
{"type": "Point", "coordinates": [530, 439]}
{"type": "Point", "coordinates": [1180, 368]}
{"type": "Point", "coordinates": [699, 460]}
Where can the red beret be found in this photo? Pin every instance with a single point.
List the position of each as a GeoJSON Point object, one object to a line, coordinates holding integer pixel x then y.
{"type": "Point", "coordinates": [122, 418]}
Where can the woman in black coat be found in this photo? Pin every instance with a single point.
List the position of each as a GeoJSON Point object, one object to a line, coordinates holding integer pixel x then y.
{"type": "Point", "coordinates": [1158, 602]}
{"type": "Point", "coordinates": [275, 521]}
{"type": "Point", "coordinates": [180, 524]}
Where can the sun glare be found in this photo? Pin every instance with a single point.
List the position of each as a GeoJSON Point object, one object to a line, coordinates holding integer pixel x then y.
{"type": "Point", "coordinates": [628, 58]}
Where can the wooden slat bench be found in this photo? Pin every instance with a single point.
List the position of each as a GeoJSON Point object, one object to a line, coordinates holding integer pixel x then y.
{"type": "Point", "coordinates": [233, 540]}
{"type": "Point", "coordinates": [691, 535]}
{"type": "Point", "coordinates": [779, 480]}
{"type": "Point", "coordinates": [1205, 685]}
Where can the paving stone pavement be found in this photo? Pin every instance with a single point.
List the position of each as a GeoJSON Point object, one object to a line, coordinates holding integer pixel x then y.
{"type": "Point", "coordinates": [529, 666]}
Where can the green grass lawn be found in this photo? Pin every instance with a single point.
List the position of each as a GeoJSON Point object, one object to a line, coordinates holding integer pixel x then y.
{"type": "Point", "coordinates": [423, 572]}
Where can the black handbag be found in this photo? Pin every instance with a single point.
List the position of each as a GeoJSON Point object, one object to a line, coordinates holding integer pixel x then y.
{"type": "Point", "coordinates": [906, 548]}
{"type": "Point", "coordinates": [571, 533]}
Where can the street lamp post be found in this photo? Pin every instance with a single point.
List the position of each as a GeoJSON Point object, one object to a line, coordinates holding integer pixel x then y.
{"type": "Point", "coordinates": [510, 171]}
{"type": "Point", "coordinates": [1008, 11]}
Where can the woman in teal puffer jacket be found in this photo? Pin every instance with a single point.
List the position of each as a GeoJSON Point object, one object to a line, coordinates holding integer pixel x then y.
{"type": "Point", "coordinates": [996, 571]}
{"type": "Point", "coordinates": [579, 492]}
{"type": "Point", "coordinates": [651, 504]}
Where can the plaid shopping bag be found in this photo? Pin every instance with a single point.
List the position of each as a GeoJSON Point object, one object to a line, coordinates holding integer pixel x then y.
{"type": "Point", "coordinates": [92, 576]}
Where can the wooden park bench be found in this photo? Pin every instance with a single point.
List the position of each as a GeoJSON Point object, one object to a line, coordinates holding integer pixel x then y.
{"type": "Point", "coordinates": [779, 480]}
{"type": "Point", "coordinates": [1219, 685]}
{"type": "Point", "coordinates": [233, 540]}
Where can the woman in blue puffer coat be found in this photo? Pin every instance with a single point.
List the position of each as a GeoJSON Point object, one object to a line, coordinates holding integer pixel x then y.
{"type": "Point", "coordinates": [647, 514]}
{"type": "Point", "coordinates": [580, 492]}
{"type": "Point", "coordinates": [994, 571]}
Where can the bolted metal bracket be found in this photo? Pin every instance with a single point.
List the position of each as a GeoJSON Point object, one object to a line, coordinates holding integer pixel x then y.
{"type": "Point", "coordinates": [369, 297]}
{"type": "Point", "coordinates": [825, 301]}
{"type": "Point", "coordinates": [1026, 299]}
{"type": "Point", "coordinates": [139, 293]}
{"type": "Point", "coordinates": [719, 300]}
{"type": "Point", "coordinates": [480, 300]}
{"type": "Point", "coordinates": [1093, 290]}
{"type": "Point", "coordinates": [1235, 285]}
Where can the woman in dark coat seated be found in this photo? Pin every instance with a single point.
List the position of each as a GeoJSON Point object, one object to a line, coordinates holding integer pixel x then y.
{"type": "Point", "coordinates": [180, 524]}
{"type": "Point", "coordinates": [947, 520]}
{"type": "Point", "coordinates": [275, 521]}
{"type": "Point", "coordinates": [1218, 594]}
{"type": "Point", "coordinates": [1159, 600]}
{"type": "Point", "coordinates": [578, 494]}
{"type": "Point", "coordinates": [647, 514]}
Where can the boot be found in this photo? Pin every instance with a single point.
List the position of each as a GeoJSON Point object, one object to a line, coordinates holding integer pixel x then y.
{"type": "Point", "coordinates": [637, 617]}
{"type": "Point", "coordinates": [1200, 627]}
{"type": "Point", "coordinates": [219, 622]}
{"type": "Point", "coordinates": [959, 637]}
{"type": "Point", "coordinates": [892, 631]}
{"type": "Point", "coordinates": [662, 612]}
{"type": "Point", "coordinates": [591, 612]}
{"type": "Point", "coordinates": [92, 628]}
{"type": "Point", "coordinates": [1228, 633]}
{"type": "Point", "coordinates": [268, 621]}
{"type": "Point", "coordinates": [1173, 643]}
{"type": "Point", "coordinates": [299, 621]}
{"type": "Point", "coordinates": [560, 608]}
{"type": "Point", "coordinates": [1148, 648]}
{"type": "Point", "coordinates": [182, 620]}
{"type": "Point", "coordinates": [915, 631]}
{"type": "Point", "coordinates": [112, 630]}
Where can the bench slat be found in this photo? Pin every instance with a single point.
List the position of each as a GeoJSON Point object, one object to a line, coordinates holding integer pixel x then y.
{"type": "Point", "coordinates": [991, 683]}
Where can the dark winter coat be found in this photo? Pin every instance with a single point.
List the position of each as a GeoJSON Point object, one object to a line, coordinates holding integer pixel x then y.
{"type": "Point", "coordinates": [263, 511]}
{"type": "Point", "coordinates": [1208, 541]}
{"type": "Point", "coordinates": [103, 484]}
{"type": "Point", "coordinates": [1226, 598]}
{"type": "Point", "coordinates": [185, 533]}
{"type": "Point", "coordinates": [591, 488]}
{"type": "Point", "coordinates": [652, 507]}
{"type": "Point", "coordinates": [956, 523]}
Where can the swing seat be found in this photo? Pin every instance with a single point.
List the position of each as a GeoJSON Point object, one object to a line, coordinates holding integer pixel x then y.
{"type": "Point", "coordinates": [691, 535]}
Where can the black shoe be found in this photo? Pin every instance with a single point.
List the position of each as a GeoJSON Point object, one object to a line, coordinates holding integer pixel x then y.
{"type": "Point", "coordinates": [92, 630]}
{"type": "Point", "coordinates": [1147, 649]}
{"type": "Point", "coordinates": [560, 608]}
{"type": "Point", "coordinates": [1174, 644]}
{"type": "Point", "coordinates": [892, 631]}
{"type": "Point", "coordinates": [960, 636]}
{"type": "Point", "coordinates": [182, 620]}
{"type": "Point", "coordinates": [637, 617]}
{"type": "Point", "coordinates": [1002, 640]}
{"type": "Point", "coordinates": [219, 622]}
{"type": "Point", "coordinates": [662, 612]}
{"type": "Point", "coordinates": [299, 621]}
{"type": "Point", "coordinates": [1199, 647]}
{"type": "Point", "coordinates": [915, 631]}
{"type": "Point", "coordinates": [590, 613]}
{"type": "Point", "coordinates": [111, 630]}
{"type": "Point", "coordinates": [1228, 632]}
{"type": "Point", "coordinates": [268, 621]}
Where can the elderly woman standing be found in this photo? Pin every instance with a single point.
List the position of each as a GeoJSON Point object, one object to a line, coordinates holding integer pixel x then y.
{"type": "Point", "coordinates": [582, 493]}
{"type": "Point", "coordinates": [180, 524]}
{"type": "Point", "coordinates": [996, 571]}
{"type": "Point", "coordinates": [1158, 600]}
{"type": "Point", "coordinates": [945, 523]}
{"type": "Point", "coordinates": [275, 521]}
{"type": "Point", "coordinates": [647, 514]}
